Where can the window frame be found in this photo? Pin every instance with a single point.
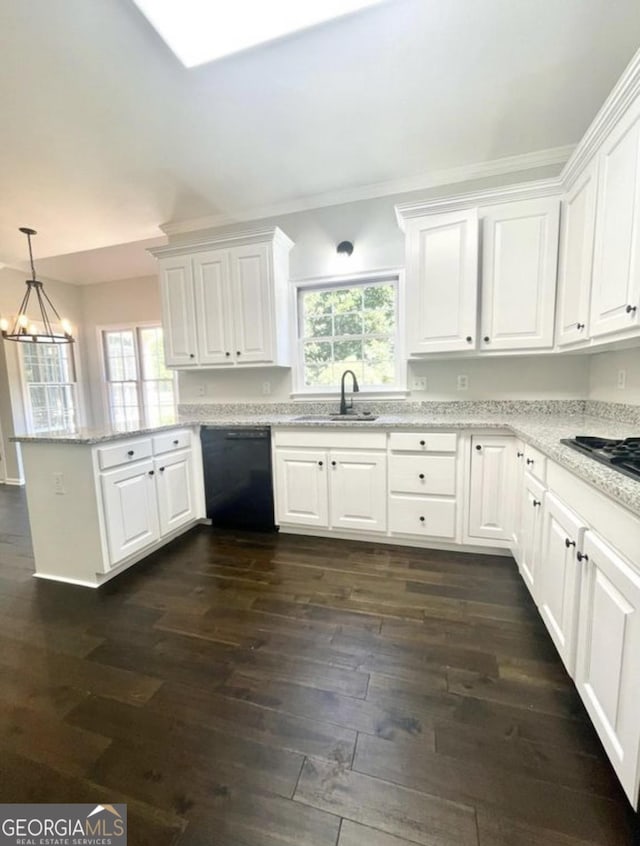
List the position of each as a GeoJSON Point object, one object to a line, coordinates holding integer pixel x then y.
{"type": "Point", "coordinates": [75, 385]}
{"type": "Point", "coordinates": [134, 327]}
{"type": "Point", "coordinates": [394, 275]}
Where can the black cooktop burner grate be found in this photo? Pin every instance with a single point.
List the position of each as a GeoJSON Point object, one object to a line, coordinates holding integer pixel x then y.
{"type": "Point", "coordinates": [622, 454]}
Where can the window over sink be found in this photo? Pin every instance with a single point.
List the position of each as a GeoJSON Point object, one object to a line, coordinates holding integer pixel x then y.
{"type": "Point", "coordinates": [349, 324]}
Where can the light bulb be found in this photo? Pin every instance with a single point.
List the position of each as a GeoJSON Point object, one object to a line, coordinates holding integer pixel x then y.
{"type": "Point", "coordinates": [66, 326]}
{"type": "Point", "coordinates": [23, 320]}
{"type": "Point", "coordinates": [4, 325]}
{"type": "Point", "coordinates": [33, 329]}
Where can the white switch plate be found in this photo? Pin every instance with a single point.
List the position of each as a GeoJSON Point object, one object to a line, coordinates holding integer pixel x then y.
{"type": "Point", "coordinates": [266, 388]}
{"type": "Point", "coordinates": [419, 383]}
{"type": "Point", "coordinates": [622, 379]}
{"type": "Point", "coordinates": [463, 382]}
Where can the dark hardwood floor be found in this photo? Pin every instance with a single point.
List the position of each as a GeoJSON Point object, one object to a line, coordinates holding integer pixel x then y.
{"type": "Point", "coordinates": [264, 690]}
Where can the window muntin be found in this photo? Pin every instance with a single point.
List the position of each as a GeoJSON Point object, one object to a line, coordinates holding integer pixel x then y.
{"type": "Point", "coordinates": [351, 326]}
{"type": "Point", "coordinates": [50, 387]}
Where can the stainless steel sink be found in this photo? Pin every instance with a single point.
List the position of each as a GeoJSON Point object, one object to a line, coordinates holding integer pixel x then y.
{"type": "Point", "coordinates": [323, 418]}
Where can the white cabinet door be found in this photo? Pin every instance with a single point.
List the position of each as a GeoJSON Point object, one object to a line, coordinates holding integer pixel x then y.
{"type": "Point", "coordinates": [520, 253]}
{"type": "Point", "coordinates": [491, 487]}
{"type": "Point", "coordinates": [615, 299]}
{"type": "Point", "coordinates": [130, 509]}
{"type": "Point", "coordinates": [215, 330]}
{"type": "Point", "coordinates": [251, 296]}
{"type": "Point", "coordinates": [302, 490]}
{"type": "Point", "coordinates": [576, 259]}
{"type": "Point", "coordinates": [358, 490]}
{"type": "Point", "coordinates": [178, 312]}
{"type": "Point", "coordinates": [558, 577]}
{"type": "Point", "coordinates": [518, 485]}
{"type": "Point", "coordinates": [530, 530]}
{"type": "Point", "coordinates": [174, 483]}
{"type": "Point", "coordinates": [608, 668]}
{"type": "Point", "coordinates": [442, 282]}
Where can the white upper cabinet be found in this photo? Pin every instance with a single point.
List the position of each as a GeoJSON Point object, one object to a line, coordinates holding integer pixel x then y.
{"type": "Point", "coordinates": [615, 300]}
{"type": "Point", "coordinates": [576, 258]}
{"type": "Point", "coordinates": [224, 302]}
{"type": "Point", "coordinates": [520, 251]}
{"type": "Point", "coordinates": [178, 312]}
{"type": "Point", "coordinates": [442, 281]}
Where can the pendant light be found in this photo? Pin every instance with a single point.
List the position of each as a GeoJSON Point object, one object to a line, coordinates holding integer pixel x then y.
{"type": "Point", "coordinates": [38, 328]}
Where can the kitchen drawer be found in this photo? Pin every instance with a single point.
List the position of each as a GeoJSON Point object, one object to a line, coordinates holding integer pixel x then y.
{"type": "Point", "coordinates": [329, 438]}
{"type": "Point", "coordinates": [535, 463]}
{"type": "Point", "coordinates": [428, 517]}
{"type": "Point", "coordinates": [423, 441]}
{"type": "Point", "coordinates": [123, 452]}
{"type": "Point", "coordinates": [168, 441]}
{"type": "Point", "coordinates": [423, 474]}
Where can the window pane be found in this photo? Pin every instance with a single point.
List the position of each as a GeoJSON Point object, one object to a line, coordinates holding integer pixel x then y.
{"type": "Point", "coordinates": [49, 376]}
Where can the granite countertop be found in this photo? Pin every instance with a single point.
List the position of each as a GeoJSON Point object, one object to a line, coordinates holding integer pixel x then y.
{"type": "Point", "coordinates": [97, 435]}
{"type": "Point", "coordinates": [542, 431]}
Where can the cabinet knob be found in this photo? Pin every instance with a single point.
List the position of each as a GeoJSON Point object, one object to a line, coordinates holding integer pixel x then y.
{"type": "Point", "coordinates": [530, 461]}
{"type": "Point", "coordinates": [130, 452]}
{"type": "Point", "coordinates": [478, 447]}
{"type": "Point", "coordinates": [238, 352]}
{"type": "Point", "coordinates": [486, 339]}
{"type": "Point", "coordinates": [192, 355]}
{"type": "Point", "coordinates": [334, 463]}
{"type": "Point", "coordinates": [519, 454]}
{"type": "Point", "coordinates": [227, 354]}
{"type": "Point", "coordinates": [536, 503]}
{"type": "Point", "coordinates": [423, 443]}
{"type": "Point", "coordinates": [581, 556]}
{"type": "Point", "coordinates": [176, 442]}
{"type": "Point", "coordinates": [469, 339]}
{"type": "Point", "coordinates": [422, 519]}
{"type": "Point", "coordinates": [151, 472]}
{"type": "Point", "coordinates": [320, 463]}
{"type": "Point", "coordinates": [631, 310]}
{"type": "Point", "coordinates": [161, 469]}
{"type": "Point", "coordinates": [421, 475]}
{"type": "Point", "coordinates": [569, 543]}
{"type": "Point", "coordinates": [579, 326]}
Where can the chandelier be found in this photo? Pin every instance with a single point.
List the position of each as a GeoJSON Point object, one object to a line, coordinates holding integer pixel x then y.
{"type": "Point", "coordinates": [38, 329]}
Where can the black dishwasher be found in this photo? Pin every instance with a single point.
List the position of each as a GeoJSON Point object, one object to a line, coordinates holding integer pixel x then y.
{"type": "Point", "coordinates": [237, 478]}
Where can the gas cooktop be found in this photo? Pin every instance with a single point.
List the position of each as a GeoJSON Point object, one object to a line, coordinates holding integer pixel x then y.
{"type": "Point", "coordinates": [622, 455]}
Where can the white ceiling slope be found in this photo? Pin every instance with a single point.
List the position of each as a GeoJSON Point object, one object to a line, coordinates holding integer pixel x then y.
{"type": "Point", "coordinates": [104, 136]}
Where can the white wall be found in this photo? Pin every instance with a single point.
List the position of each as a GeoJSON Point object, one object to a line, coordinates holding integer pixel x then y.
{"type": "Point", "coordinates": [108, 304]}
{"type": "Point", "coordinates": [603, 376]}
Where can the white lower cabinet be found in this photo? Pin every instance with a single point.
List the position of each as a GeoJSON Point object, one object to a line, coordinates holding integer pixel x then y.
{"type": "Point", "coordinates": [530, 530]}
{"type": "Point", "coordinates": [518, 484]}
{"type": "Point", "coordinates": [608, 663]}
{"type": "Point", "coordinates": [174, 484]}
{"type": "Point", "coordinates": [130, 509]}
{"type": "Point", "coordinates": [490, 506]}
{"type": "Point", "coordinates": [302, 491]}
{"type": "Point", "coordinates": [358, 491]}
{"type": "Point", "coordinates": [557, 584]}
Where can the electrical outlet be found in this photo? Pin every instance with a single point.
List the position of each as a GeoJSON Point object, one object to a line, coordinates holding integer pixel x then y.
{"type": "Point", "coordinates": [201, 390]}
{"type": "Point", "coordinates": [622, 379]}
{"type": "Point", "coordinates": [463, 382]}
{"type": "Point", "coordinates": [58, 484]}
{"type": "Point", "coordinates": [419, 383]}
{"type": "Point", "coordinates": [266, 388]}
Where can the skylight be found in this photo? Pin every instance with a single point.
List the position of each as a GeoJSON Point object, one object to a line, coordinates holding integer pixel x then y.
{"type": "Point", "coordinates": [199, 31]}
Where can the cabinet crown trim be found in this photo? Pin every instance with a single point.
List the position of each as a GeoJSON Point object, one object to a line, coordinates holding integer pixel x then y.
{"type": "Point", "coordinates": [272, 234]}
{"type": "Point", "coordinates": [486, 197]}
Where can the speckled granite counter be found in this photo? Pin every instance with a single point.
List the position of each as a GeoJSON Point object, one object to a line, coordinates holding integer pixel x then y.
{"type": "Point", "coordinates": [543, 431]}
{"type": "Point", "coordinates": [97, 435]}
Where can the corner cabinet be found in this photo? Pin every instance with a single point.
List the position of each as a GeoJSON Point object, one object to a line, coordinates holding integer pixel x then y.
{"type": "Point", "coordinates": [519, 262]}
{"type": "Point", "coordinates": [224, 301]}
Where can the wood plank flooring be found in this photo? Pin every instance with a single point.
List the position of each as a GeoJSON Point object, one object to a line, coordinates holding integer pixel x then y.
{"type": "Point", "coordinates": [265, 690]}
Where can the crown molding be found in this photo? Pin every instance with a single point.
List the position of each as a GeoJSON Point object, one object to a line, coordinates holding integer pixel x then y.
{"type": "Point", "coordinates": [272, 234]}
{"type": "Point", "coordinates": [450, 176]}
{"type": "Point", "coordinates": [490, 196]}
{"type": "Point", "coordinates": [624, 92]}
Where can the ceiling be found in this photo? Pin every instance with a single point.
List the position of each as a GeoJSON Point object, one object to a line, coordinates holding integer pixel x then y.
{"type": "Point", "coordinates": [104, 135]}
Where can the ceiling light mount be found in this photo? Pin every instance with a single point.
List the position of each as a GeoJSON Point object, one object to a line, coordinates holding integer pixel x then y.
{"type": "Point", "coordinates": [41, 329]}
{"type": "Point", "coordinates": [345, 248]}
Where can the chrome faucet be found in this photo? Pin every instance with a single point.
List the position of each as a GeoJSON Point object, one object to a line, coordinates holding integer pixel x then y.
{"type": "Point", "coordinates": [344, 409]}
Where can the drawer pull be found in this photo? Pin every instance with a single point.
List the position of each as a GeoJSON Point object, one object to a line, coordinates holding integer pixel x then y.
{"type": "Point", "coordinates": [581, 556]}
{"type": "Point", "coordinates": [192, 355]}
{"type": "Point", "coordinates": [469, 339]}
{"type": "Point", "coordinates": [569, 543]}
{"type": "Point", "coordinates": [421, 475]}
{"type": "Point", "coordinates": [130, 452]}
{"type": "Point", "coordinates": [423, 443]}
{"type": "Point", "coordinates": [630, 310]}
{"type": "Point", "coordinates": [536, 503]}
{"type": "Point", "coordinates": [422, 519]}
{"type": "Point", "coordinates": [486, 339]}
{"type": "Point", "coordinates": [161, 469]}
{"type": "Point", "coordinates": [530, 461]}
{"type": "Point", "coordinates": [151, 472]}
{"type": "Point", "coordinates": [519, 454]}
{"type": "Point", "coordinates": [320, 463]}
{"type": "Point", "coordinates": [334, 463]}
{"type": "Point", "coordinates": [176, 442]}
{"type": "Point", "coordinates": [579, 326]}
